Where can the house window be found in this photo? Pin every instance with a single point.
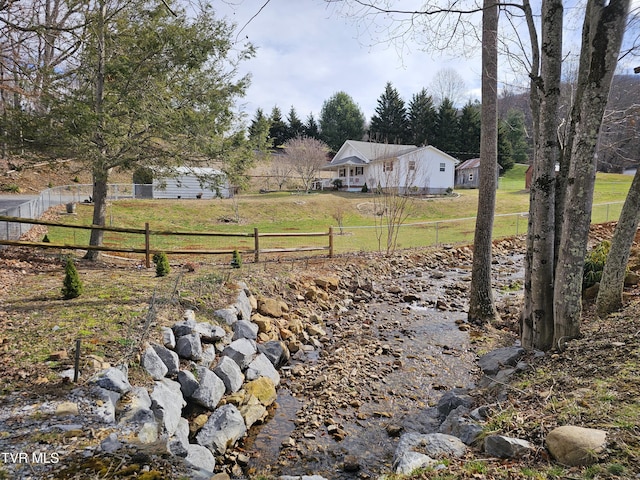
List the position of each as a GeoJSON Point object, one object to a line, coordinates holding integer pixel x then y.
{"type": "Point", "coordinates": [471, 177]}
{"type": "Point", "coordinates": [342, 172]}
{"type": "Point", "coordinates": [443, 167]}
{"type": "Point", "coordinates": [412, 165]}
{"type": "Point", "coordinates": [387, 167]}
{"type": "Point", "coordinates": [359, 170]}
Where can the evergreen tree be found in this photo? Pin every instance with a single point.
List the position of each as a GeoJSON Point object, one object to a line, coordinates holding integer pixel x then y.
{"type": "Point", "coordinates": [390, 123]}
{"type": "Point", "coordinates": [259, 132]}
{"type": "Point", "coordinates": [469, 131]}
{"type": "Point", "coordinates": [340, 120]}
{"type": "Point", "coordinates": [516, 135]}
{"type": "Point", "coordinates": [296, 127]}
{"type": "Point", "coordinates": [447, 131]}
{"type": "Point", "coordinates": [278, 129]}
{"type": "Point", "coordinates": [422, 118]}
{"type": "Point", "coordinates": [505, 149]}
{"type": "Point", "coordinates": [72, 285]}
{"type": "Point", "coordinates": [311, 128]}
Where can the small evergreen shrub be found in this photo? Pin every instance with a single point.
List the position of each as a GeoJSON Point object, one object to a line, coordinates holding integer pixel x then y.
{"type": "Point", "coordinates": [46, 239]}
{"type": "Point", "coordinates": [72, 285]}
{"type": "Point", "coordinates": [365, 188]}
{"type": "Point", "coordinates": [236, 261]}
{"type": "Point", "coordinates": [594, 264]}
{"type": "Point", "coordinates": [162, 264]}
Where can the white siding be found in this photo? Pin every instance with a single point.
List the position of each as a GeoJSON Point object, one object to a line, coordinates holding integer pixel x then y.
{"type": "Point", "coordinates": [188, 185]}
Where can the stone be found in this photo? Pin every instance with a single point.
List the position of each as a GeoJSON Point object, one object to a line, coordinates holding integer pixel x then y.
{"type": "Point", "coordinates": [269, 307]}
{"type": "Point", "coordinates": [276, 351]}
{"type": "Point", "coordinates": [148, 433]}
{"type": "Point", "coordinates": [407, 458]}
{"type": "Point", "coordinates": [227, 315]}
{"type": "Point", "coordinates": [223, 429]}
{"type": "Point", "coordinates": [253, 414]}
{"type": "Point", "coordinates": [59, 355]}
{"type": "Point", "coordinates": [136, 407]}
{"type": "Point", "coordinates": [110, 444]}
{"type": "Point", "coordinates": [201, 457]}
{"type": "Point", "coordinates": [575, 446]}
{"type": "Point", "coordinates": [316, 330]}
{"type": "Point", "coordinates": [189, 347]}
{"type": "Point", "coordinates": [209, 332]}
{"type": "Point", "coordinates": [242, 351]}
{"type": "Point", "coordinates": [351, 463]}
{"type": "Point", "coordinates": [66, 408]}
{"type": "Point", "coordinates": [230, 373]}
{"type": "Point", "coordinates": [188, 383]}
{"type": "Point", "coordinates": [261, 366]}
{"type": "Point", "coordinates": [209, 354]}
{"type": "Point", "coordinates": [407, 462]}
{"type": "Point", "coordinates": [245, 329]}
{"type": "Point", "coordinates": [168, 338]}
{"type": "Point", "coordinates": [243, 305]}
{"type": "Point", "coordinates": [496, 360]}
{"type": "Point", "coordinates": [153, 364]}
{"type": "Point", "coordinates": [210, 390]}
{"type": "Point", "coordinates": [179, 442]}
{"type": "Point", "coordinates": [113, 379]}
{"type": "Point", "coordinates": [105, 401]}
{"type": "Point", "coordinates": [452, 400]}
{"type": "Point", "coordinates": [167, 403]}
{"type": "Point", "coordinates": [264, 323]}
{"type": "Point", "coordinates": [263, 389]}
{"type": "Point", "coordinates": [169, 358]}
{"type": "Point", "coordinates": [459, 424]}
{"type": "Point", "coordinates": [189, 316]}
{"type": "Point", "coordinates": [328, 282]}
{"type": "Point", "coordinates": [506, 447]}
{"type": "Point", "coordinates": [181, 329]}
{"type": "Point", "coordinates": [631, 279]}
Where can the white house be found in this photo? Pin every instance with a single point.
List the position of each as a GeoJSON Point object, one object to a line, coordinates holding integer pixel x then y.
{"type": "Point", "coordinates": [191, 182]}
{"type": "Point", "coordinates": [408, 168]}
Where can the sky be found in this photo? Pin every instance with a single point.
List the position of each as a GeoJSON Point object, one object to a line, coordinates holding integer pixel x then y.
{"type": "Point", "coordinates": [307, 51]}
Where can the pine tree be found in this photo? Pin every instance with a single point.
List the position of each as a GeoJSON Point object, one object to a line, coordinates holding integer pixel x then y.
{"type": "Point", "coordinates": [340, 120]}
{"type": "Point", "coordinates": [421, 118]}
{"type": "Point", "coordinates": [278, 129]}
{"type": "Point", "coordinates": [311, 128]}
{"type": "Point", "coordinates": [295, 127]}
{"type": "Point", "coordinates": [390, 124]}
{"type": "Point", "coordinates": [469, 131]}
{"type": "Point", "coordinates": [516, 135]}
{"type": "Point", "coordinates": [72, 285]}
{"type": "Point", "coordinates": [162, 264]}
{"type": "Point", "coordinates": [447, 131]}
{"type": "Point", "coordinates": [259, 132]}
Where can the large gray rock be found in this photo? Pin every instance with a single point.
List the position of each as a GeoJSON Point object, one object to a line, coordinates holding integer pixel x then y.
{"type": "Point", "coordinates": [106, 407]}
{"type": "Point", "coordinates": [575, 446]}
{"type": "Point", "coordinates": [189, 347]}
{"type": "Point", "coordinates": [113, 379]}
{"type": "Point", "coordinates": [183, 328]}
{"type": "Point", "coordinates": [227, 315]}
{"type": "Point", "coordinates": [492, 362]}
{"type": "Point", "coordinates": [261, 366]}
{"type": "Point", "coordinates": [137, 408]}
{"type": "Point", "coordinates": [153, 364]}
{"type": "Point", "coordinates": [506, 447]}
{"type": "Point", "coordinates": [417, 450]}
{"type": "Point", "coordinates": [409, 461]}
{"type": "Point", "coordinates": [167, 403]}
{"type": "Point", "coordinates": [230, 373]}
{"type": "Point", "coordinates": [209, 332]}
{"type": "Point", "coordinates": [276, 351]}
{"type": "Point", "coordinates": [178, 444]}
{"type": "Point", "coordinates": [209, 354]}
{"type": "Point", "coordinates": [223, 429]}
{"type": "Point", "coordinates": [241, 351]}
{"type": "Point", "coordinates": [188, 383]}
{"type": "Point", "coordinates": [459, 424]}
{"type": "Point", "coordinates": [243, 305]}
{"type": "Point", "coordinates": [245, 329]}
{"type": "Point", "coordinates": [168, 338]}
{"type": "Point", "coordinates": [452, 400]}
{"type": "Point", "coordinates": [210, 390]}
{"type": "Point", "coordinates": [201, 457]}
{"type": "Point", "coordinates": [169, 358]}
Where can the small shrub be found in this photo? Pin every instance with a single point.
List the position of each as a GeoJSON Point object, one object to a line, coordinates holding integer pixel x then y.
{"type": "Point", "coordinates": [76, 179]}
{"type": "Point", "coordinates": [72, 285]}
{"type": "Point", "coordinates": [12, 188]}
{"type": "Point", "coordinates": [365, 188]}
{"type": "Point", "coordinates": [594, 264]}
{"type": "Point", "coordinates": [45, 239]}
{"type": "Point", "coordinates": [337, 184]}
{"type": "Point", "coordinates": [162, 264]}
{"type": "Point", "coordinates": [236, 261]}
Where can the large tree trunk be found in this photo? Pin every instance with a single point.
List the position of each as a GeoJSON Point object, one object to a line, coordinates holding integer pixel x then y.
{"type": "Point", "coordinates": [481, 304]}
{"type": "Point", "coordinates": [612, 282]}
{"type": "Point", "coordinates": [100, 187]}
{"type": "Point", "coordinates": [537, 317]}
{"type": "Point", "coordinates": [601, 39]}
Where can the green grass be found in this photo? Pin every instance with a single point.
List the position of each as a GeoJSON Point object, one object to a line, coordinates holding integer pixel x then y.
{"type": "Point", "coordinates": [430, 220]}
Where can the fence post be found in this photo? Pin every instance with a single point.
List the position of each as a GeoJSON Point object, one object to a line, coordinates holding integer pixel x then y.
{"type": "Point", "coordinates": [147, 243]}
{"type": "Point", "coordinates": [330, 242]}
{"type": "Point", "coordinates": [76, 364]}
{"type": "Point", "coordinates": [256, 245]}
{"type": "Point", "coordinates": [436, 233]}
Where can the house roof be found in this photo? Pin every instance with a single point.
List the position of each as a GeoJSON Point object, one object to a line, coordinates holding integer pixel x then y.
{"type": "Point", "coordinates": [352, 160]}
{"type": "Point", "coordinates": [468, 164]}
{"type": "Point", "coordinates": [375, 151]}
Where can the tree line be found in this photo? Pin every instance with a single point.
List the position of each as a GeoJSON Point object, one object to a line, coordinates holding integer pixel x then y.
{"type": "Point", "coordinates": [419, 122]}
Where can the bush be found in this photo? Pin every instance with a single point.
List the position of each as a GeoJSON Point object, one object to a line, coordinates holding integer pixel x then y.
{"type": "Point", "coordinates": [594, 264]}
{"type": "Point", "coordinates": [365, 189]}
{"type": "Point", "coordinates": [337, 184]}
{"type": "Point", "coordinates": [45, 239]}
{"type": "Point", "coordinates": [236, 261]}
{"type": "Point", "coordinates": [162, 264]}
{"type": "Point", "coordinates": [72, 285]}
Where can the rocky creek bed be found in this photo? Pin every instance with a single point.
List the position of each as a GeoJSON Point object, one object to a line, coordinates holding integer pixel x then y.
{"type": "Point", "coordinates": [372, 351]}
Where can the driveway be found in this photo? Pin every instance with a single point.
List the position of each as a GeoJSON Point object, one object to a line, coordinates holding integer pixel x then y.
{"type": "Point", "coordinates": [10, 201]}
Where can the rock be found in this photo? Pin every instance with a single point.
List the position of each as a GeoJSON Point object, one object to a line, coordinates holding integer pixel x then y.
{"type": "Point", "coordinates": [167, 403]}
{"type": "Point", "coordinates": [407, 459]}
{"type": "Point", "coordinates": [153, 364]}
{"type": "Point", "coordinates": [105, 401]}
{"type": "Point", "coordinates": [148, 433]}
{"type": "Point", "coordinates": [253, 414]}
{"type": "Point", "coordinates": [181, 329]}
{"type": "Point", "coordinates": [189, 347]}
{"type": "Point", "coordinates": [245, 329]}
{"type": "Point", "coordinates": [351, 463]}
{"type": "Point", "coordinates": [169, 358]}
{"type": "Point", "coordinates": [452, 400]}
{"type": "Point", "coordinates": [243, 305]}
{"type": "Point", "coordinates": [407, 462]}
{"type": "Point", "coordinates": [328, 282]}
{"type": "Point", "coordinates": [209, 355]}
{"type": "Point", "coordinates": [506, 447]}
{"type": "Point", "coordinates": [227, 315]}
{"type": "Point", "coordinates": [264, 323]}
{"type": "Point", "coordinates": [242, 351]}
{"type": "Point", "coordinates": [136, 408]}
{"type": "Point", "coordinates": [276, 351]}
{"type": "Point", "coordinates": [631, 279]}
{"type": "Point", "coordinates": [575, 446]}
{"type": "Point", "coordinates": [316, 330]}
{"type": "Point", "coordinates": [269, 307]}
{"type": "Point", "coordinates": [210, 390]}
{"type": "Point", "coordinates": [66, 408]}
{"type": "Point", "coordinates": [460, 425]}
{"type": "Point", "coordinates": [223, 429]}
{"type": "Point", "coordinates": [188, 383]}
{"type": "Point", "coordinates": [209, 332]}
{"type": "Point", "coordinates": [59, 355]}
{"type": "Point", "coordinates": [263, 389]}
{"type": "Point", "coordinates": [189, 316]}
{"type": "Point", "coordinates": [230, 373]}
{"type": "Point", "coordinates": [261, 366]}
{"type": "Point", "coordinates": [113, 379]}
{"type": "Point", "coordinates": [201, 457]}
{"type": "Point", "coordinates": [494, 361]}
{"type": "Point", "coordinates": [168, 338]}
{"type": "Point", "coordinates": [110, 444]}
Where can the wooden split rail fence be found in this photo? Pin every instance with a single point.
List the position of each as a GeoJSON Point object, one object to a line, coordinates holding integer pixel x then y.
{"type": "Point", "coordinates": [148, 251]}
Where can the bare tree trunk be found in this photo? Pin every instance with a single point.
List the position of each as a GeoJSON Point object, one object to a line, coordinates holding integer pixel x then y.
{"type": "Point", "coordinates": [601, 39]}
{"type": "Point", "coordinates": [537, 317]}
{"type": "Point", "coordinates": [481, 304]}
{"type": "Point", "coordinates": [612, 282]}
